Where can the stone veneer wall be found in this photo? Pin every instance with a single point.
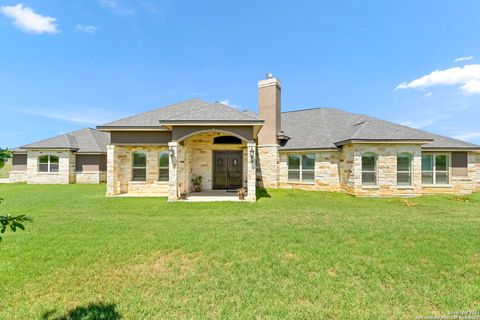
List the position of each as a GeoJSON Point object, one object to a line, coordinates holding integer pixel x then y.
{"type": "Point", "coordinates": [386, 169]}
{"type": "Point", "coordinates": [268, 160]}
{"type": "Point", "coordinates": [17, 176]}
{"type": "Point", "coordinates": [327, 178]}
{"type": "Point", "coordinates": [65, 174]}
{"type": "Point", "coordinates": [119, 171]}
{"type": "Point", "coordinates": [460, 185]}
{"type": "Point", "coordinates": [90, 177]}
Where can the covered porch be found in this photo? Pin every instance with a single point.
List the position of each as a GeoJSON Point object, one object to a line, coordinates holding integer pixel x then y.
{"type": "Point", "coordinates": [223, 160]}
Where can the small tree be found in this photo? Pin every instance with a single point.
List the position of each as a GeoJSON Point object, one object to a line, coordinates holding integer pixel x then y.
{"type": "Point", "coordinates": [13, 222]}
{"type": "Point", "coordinates": [5, 154]}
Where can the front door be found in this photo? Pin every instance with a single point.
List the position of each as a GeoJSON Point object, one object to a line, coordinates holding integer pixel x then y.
{"type": "Point", "coordinates": [227, 170]}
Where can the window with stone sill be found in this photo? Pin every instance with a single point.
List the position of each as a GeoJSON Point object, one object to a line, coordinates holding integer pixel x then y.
{"type": "Point", "coordinates": [435, 169]}
{"type": "Point", "coordinates": [404, 169]}
{"type": "Point", "coordinates": [369, 169]}
{"type": "Point", "coordinates": [301, 167]}
{"type": "Point", "coordinates": [163, 166]}
{"type": "Point", "coordinates": [139, 167]}
{"type": "Point", "coordinates": [48, 163]}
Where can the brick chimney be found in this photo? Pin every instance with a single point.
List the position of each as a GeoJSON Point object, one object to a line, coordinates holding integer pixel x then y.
{"type": "Point", "coordinates": [269, 109]}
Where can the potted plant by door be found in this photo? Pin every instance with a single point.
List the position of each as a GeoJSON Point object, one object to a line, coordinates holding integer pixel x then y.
{"type": "Point", "coordinates": [197, 183]}
{"type": "Point", "coordinates": [242, 192]}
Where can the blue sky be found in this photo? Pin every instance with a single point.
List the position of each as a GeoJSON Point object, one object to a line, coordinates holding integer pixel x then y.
{"type": "Point", "coordinates": [65, 65]}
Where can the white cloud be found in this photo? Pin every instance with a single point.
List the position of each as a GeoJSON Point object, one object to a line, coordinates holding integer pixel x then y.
{"type": "Point", "coordinates": [468, 136]}
{"type": "Point", "coordinates": [85, 29]}
{"type": "Point", "coordinates": [117, 6]}
{"type": "Point", "coordinates": [230, 104]}
{"type": "Point", "coordinates": [28, 20]}
{"type": "Point", "coordinates": [89, 116]}
{"type": "Point", "coordinates": [460, 59]}
{"type": "Point", "coordinates": [467, 77]}
{"type": "Point", "coordinates": [428, 94]}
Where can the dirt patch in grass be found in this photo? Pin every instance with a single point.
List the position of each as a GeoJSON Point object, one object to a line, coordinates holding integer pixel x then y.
{"type": "Point", "coordinates": [160, 264]}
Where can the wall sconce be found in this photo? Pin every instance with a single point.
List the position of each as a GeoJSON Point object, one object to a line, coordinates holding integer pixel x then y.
{"type": "Point", "coordinates": [171, 151]}
{"type": "Point", "coordinates": [252, 155]}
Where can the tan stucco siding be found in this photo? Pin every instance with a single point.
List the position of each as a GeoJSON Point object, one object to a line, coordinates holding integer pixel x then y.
{"type": "Point", "coordinates": [91, 162]}
{"type": "Point", "coordinates": [182, 132]}
{"type": "Point", "coordinates": [19, 162]}
{"type": "Point", "coordinates": [140, 137]}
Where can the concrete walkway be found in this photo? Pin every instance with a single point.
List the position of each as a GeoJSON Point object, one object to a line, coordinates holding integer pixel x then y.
{"type": "Point", "coordinates": [4, 180]}
{"type": "Point", "coordinates": [208, 196]}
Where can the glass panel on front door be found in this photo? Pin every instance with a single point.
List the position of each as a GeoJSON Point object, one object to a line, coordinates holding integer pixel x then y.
{"type": "Point", "coordinates": [227, 170]}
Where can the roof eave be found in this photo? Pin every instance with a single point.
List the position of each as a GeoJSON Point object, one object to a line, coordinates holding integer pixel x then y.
{"type": "Point", "coordinates": [210, 122]}
{"type": "Point", "coordinates": [131, 128]}
{"type": "Point", "coordinates": [477, 149]}
{"type": "Point", "coordinates": [405, 141]}
{"type": "Point", "coordinates": [49, 148]}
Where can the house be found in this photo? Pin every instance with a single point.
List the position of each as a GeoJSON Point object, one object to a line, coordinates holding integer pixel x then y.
{"type": "Point", "coordinates": [79, 156]}
{"type": "Point", "coordinates": [159, 152]}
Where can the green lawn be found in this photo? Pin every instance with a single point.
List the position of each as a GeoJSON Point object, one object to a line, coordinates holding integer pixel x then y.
{"type": "Point", "coordinates": [296, 254]}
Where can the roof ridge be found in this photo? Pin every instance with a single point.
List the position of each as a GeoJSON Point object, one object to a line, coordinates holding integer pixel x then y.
{"type": "Point", "coordinates": [232, 108]}
{"type": "Point", "coordinates": [91, 132]}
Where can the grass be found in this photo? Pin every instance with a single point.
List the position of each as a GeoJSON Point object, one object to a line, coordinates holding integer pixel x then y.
{"type": "Point", "coordinates": [4, 172]}
{"type": "Point", "coordinates": [297, 254]}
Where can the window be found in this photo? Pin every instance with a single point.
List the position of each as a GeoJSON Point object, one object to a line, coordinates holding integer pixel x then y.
{"type": "Point", "coordinates": [435, 169]}
{"type": "Point", "coordinates": [163, 166]}
{"type": "Point", "coordinates": [404, 169]}
{"type": "Point", "coordinates": [48, 163]}
{"type": "Point", "coordinates": [139, 168]}
{"type": "Point", "coordinates": [301, 167]}
{"type": "Point", "coordinates": [369, 169]}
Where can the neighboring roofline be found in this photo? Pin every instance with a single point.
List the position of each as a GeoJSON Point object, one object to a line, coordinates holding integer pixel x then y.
{"type": "Point", "coordinates": [131, 128]}
{"type": "Point", "coordinates": [211, 122]}
{"type": "Point", "coordinates": [90, 153]}
{"type": "Point", "coordinates": [139, 144]}
{"type": "Point", "coordinates": [49, 148]}
{"type": "Point", "coordinates": [407, 141]}
{"type": "Point", "coordinates": [451, 148]}
{"type": "Point", "coordinates": [307, 149]}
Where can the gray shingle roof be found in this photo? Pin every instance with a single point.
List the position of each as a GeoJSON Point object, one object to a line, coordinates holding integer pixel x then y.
{"type": "Point", "coordinates": [324, 128]}
{"type": "Point", "coordinates": [86, 140]}
{"type": "Point", "coordinates": [190, 110]}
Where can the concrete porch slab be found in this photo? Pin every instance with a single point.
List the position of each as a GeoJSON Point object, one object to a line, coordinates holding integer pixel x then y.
{"type": "Point", "coordinates": [210, 196]}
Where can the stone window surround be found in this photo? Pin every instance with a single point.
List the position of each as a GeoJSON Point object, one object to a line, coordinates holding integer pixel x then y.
{"type": "Point", "coordinates": [449, 161]}
{"type": "Point", "coordinates": [300, 170]}
{"type": "Point", "coordinates": [137, 168]}
{"type": "Point", "coordinates": [163, 168]}
{"type": "Point", "coordinates": [48, 163]}
{"type": "Point", "coordinates": [373, 185]}
{"type": "Point", "coordinates": [410, 156]}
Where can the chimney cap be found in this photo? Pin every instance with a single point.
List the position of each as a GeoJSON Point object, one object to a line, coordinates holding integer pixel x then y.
{"type": "Point", "coordinates": [269, 76]}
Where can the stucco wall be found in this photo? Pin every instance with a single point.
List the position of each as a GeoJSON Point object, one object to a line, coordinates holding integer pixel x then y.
{"type": "Point", "coordinates": [66, 171]}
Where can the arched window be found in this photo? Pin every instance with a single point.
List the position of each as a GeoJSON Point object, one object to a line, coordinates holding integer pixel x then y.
{"type": "Point", "coordinates": [139, 167]}
{"type": "Point", "coordinates": [369, 169]}
{"type": "Point", "coordinates": [48, 163]}
{"type": "Point", "coordinates": [163, 166]}
{"type": "Point", "coordinates": [404, 169]}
